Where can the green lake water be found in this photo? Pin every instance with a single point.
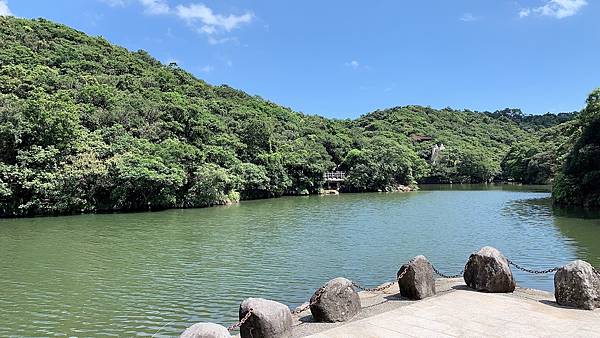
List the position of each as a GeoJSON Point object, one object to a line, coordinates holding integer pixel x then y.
{"type": "Point", "coordinates": [136, 274]}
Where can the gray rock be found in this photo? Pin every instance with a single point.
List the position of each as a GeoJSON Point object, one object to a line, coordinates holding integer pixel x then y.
{"type": "Point", "coordinates": [205, 330]}
{"type": "Point", "coordinates": [418, 281]}
{"type": "Point", "coordinates": [487, 270]}
{"type": "Point", "coordinates": [269, 319]}
{"type": "Point", "coordinates": [336, 301]}
{"type": "Point", "coordinates": [576, 285]}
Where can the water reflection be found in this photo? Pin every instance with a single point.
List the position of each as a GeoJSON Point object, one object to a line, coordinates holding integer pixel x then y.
{"type": "Point", "coordinates": [130, 274]}
{"type": "Point", "coordinates": [583, 228]}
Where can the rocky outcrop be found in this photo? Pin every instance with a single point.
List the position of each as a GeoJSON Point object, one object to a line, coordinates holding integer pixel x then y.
{"type": "Point", "coordinates": [577, 285]}
{"type": "Point", "coordinates": [487, 270]}
{"type": "Point", "coordinates": [269, 319]}
{"type": "Point", "coordinates": [336, 301]}
{"type": "Point", "coordinates": [399, 188]}
{"type": "Point", "coordinates": [418, 281]}
{"type": "Point", "coordinates": [205, 330]}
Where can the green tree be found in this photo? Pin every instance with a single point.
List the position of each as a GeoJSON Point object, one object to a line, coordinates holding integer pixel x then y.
{"type": "Point", "coordinates": [579, 181]}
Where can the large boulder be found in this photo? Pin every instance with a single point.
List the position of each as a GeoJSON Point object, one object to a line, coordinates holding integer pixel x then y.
{"type": "Point", "coordinates": [417, 281]}
{"type": "Point", "coordinates": [487, 270]}
{"type": "Point", "coordinates": [205, 330]}
{"type": "Point", "coordinates": [336, 301]}
{"type": "Point", "coordinates": [577, 285]}
{"type": "Point", "coordinates": [269, 319]}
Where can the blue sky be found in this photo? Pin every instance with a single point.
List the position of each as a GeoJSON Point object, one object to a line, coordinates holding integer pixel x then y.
{"type": "Point", "coordinates": [346, 58]}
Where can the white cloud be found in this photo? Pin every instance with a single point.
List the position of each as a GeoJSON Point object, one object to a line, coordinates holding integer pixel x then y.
{"type": "Point", "coordinates": [207, 69]}
{"type": "Point", "coordinates": [354, 64]}
{"type": "Point", "coordinates": [211, 23]}
{"type": "Point", "coordinates": [217, 41]}
{"type": "Point", "coordinates": [523, 13]}
{"type": "Point", "coordinates": [155, 6]}
{"type": "Point", "coordinates": [555, 8]}
{"type": "Point", "coordinates": [114, 3]}
{"type": "Point", "coordinates": [4, 10]}
{"type": "Point", "coordinates": [468, 17]}
{"type": "Point", "coordinates": [200, 17]}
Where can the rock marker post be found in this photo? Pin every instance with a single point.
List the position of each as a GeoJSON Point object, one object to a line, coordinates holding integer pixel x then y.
{"type": "Point", "coordinates": [417, 280]}
{"type": "Point", "coordinates": [336, 301]}
{"type": "Point", "coordinates": [487, 270]}
{"type": "Point", "coordinates": [269, 319]}
{"type": "Point", "coordinates": [577, 285]}
{"type": "Point", "coordinates": [205, 330]}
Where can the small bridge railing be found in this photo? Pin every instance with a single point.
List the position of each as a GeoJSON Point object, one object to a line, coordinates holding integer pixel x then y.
{"type": "Point", "coordinates": [335, 176]}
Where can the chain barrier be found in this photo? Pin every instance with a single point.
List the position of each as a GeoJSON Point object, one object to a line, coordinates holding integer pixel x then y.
{"type": "Point", "coordinates": [308, 304]}
{"type": "Point", "coordinates": [377, 289]}
{"type": "Point", "coordinates": [384, 286]}
{"type": "Point", "coordinates": [536, 272]}
{"type": "Point", "coordinates": [241, 322]}
{"type": "Point", "coordinates": [437, 272]}
{"type": "Point", "coordinates": [388, 285]}
{"type": "Point", "coordinates": [301, 308]}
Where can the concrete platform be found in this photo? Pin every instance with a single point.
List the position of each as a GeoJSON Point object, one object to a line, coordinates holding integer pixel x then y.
{"type": "Point", "coordinates": [458, 312]}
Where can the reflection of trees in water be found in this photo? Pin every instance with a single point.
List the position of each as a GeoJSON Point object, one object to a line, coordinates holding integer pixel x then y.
{"type": "Point", "coordinates": [576, 212]}
{"type": "Point", "coordinates": [529, 209]}
{"type": "Point", "coordinates": [487, 187]}
{"type": "Point", "coordinates": [583, 226]}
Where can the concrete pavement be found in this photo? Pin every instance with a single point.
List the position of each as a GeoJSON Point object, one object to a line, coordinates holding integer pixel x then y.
{"type": "Point", "coordinates": [458, 312]}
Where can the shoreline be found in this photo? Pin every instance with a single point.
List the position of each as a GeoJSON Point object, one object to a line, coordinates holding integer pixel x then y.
{"type": "Point", "coordinates": [416, 189]}
{"type": "Point", "coordinates": [387, 314]}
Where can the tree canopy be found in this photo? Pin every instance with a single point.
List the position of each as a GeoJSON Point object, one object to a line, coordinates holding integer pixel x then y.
{"type": "Point", "coordinates": [579, 181]}
{"type": "Point", "coordinates": [86, 126]}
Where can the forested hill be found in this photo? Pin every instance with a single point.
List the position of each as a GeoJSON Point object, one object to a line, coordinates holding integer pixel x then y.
{"type": "Point", "coordinates": [578, 183]}
{"type": "Point", "coordinates": [88, 126]}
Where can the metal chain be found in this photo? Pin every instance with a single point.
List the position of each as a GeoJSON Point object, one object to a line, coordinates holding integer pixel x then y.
{"type": "Point", "coordinates": [385, 286]}
{"type": "Point", "coordinates": [308, 304]}
{"type": "Point", "coordinates": [241, 322]}
{"type": "Point", "coordinates": [437, 272]}
{"type": "Point", "coordinates": [301, 308]}
{"type": "Point", "coordinates": [377, 289]}
{"type": "Point", "coordinates": [388, 285]}
{"type": "Point", "coordinates": [537, 272]}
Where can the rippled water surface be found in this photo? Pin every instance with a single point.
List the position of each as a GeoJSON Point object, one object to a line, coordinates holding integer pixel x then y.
{"type": "Point", "coordinates": [136, 274]}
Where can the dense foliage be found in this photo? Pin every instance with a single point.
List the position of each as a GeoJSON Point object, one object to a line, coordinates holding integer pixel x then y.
{"type": "Point", "coordinates": [579, 182]}
{"type": "Point", "coordinates": [539, 159]}
{"type": "Point", "coordinates": [475, 143]}
{"type": "Point", "coordinates": [532, 122]}
{"type": "Point", "coordinates": [86, 126]}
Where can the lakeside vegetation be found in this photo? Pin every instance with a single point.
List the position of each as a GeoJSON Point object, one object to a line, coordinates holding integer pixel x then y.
{"type": "Point", "coordinates": [87, 126]}
{"type": "Point", "coordinates": [579, 181]}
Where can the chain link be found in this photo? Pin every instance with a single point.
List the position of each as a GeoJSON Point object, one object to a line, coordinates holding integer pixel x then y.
{"type": "Point", "coordinates": [388, 285]}
{"type": "Point", "coordinates": [536, 272]}
{"type": "Point", "coordinates": [301, 308]}
{"type": "Point", "coordinates": [384, 286]}
{"type": "Point", "coordinates": [311, 302]}
{"type": "Point", "coordinates": [437, 272]}
{"type": "Point", "coordinates": [377, 289]}
{"type": "Point", "coordinates": [241, 322]}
